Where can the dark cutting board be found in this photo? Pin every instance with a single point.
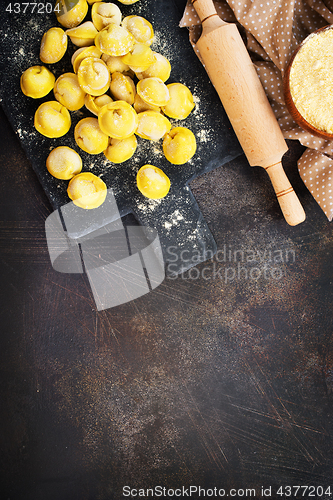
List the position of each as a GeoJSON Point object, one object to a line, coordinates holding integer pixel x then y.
{"type": "Point", "coordinates": [177, 218]}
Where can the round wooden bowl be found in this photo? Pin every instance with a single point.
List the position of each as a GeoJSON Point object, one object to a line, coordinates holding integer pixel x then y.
{"type": "Point", "coordinates": [305, 125]}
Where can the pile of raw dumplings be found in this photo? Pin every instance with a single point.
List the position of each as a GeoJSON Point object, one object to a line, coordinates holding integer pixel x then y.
{"type": "Point", "coordinates": [121, 81]}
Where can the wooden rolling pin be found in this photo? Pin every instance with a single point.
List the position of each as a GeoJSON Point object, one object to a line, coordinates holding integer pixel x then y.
{"type": "Point", "coordinates": [235, 79]}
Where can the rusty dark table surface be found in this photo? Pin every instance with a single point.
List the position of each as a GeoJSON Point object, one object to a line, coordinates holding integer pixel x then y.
{"type": "Point", "coordinates": [221, 378]}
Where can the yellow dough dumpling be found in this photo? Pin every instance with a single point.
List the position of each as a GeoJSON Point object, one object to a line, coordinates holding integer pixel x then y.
{"type": "Point", "coordinates": [82, 53]}
{"type": "Point", "coordinates": [120, 150]}
{"type": "Point", "coordinates": [89, 137]}
{"type": "Point", "coordinates": [114, 40]}
{"type": "Point", "coordinates": [95, 103]}
{"type": "Point", "coordinates": [52, 119]}
{"type": "Point", "coordinates": [53, 45]}
{"type": "Point", "coordinates": [140, 105]}
{"type": "Point", "coordinates": [83, 35]}
{"type": "Point", "coordinates": [115, 64]}
{"type": "Point", "coordinates": [105, 13]}
{"type": "Point", "coordinates": [118, 120]}
{"type": "Point", "coordinates": [87, 190]}
{"type": "Point", "coordinates": [152, 182]}
{"type": "Point", "coordinates": [128, 2]}
{"type": "Point", "coordinates": [140, 28]}
{"type": "Point", "coordinates": [68, 91]}
{"type": "Point", "coordinates": [37, 82]}
{"type": "Point", "coordinates": [152, 125]}
{"type": "Point", "coordinates": [63, 163]}
{"type": "Point", "coordinates": [153, 91]}
{"type": "Point", "coordinates": [140, 56]}
{"type": "Point", "coordinates": [179, 145]}
{"type": "Point", "coordinates": [161, 68]}
{"type": "Point", "coordinates": [94, 76]}
{"type": "Point", "coordinates": [122, 87]}
{"type": "Point", "coordinates": [72, 17]}
{"type": "Point", "coordinates": [180, 103]}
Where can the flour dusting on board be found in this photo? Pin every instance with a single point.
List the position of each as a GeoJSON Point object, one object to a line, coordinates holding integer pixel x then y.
{"type": "Point", "coordinates": [177, 217]}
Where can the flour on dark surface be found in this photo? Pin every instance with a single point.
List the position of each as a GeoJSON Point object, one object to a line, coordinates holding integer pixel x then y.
{"type": "Point", "coordinates": [216, 142]}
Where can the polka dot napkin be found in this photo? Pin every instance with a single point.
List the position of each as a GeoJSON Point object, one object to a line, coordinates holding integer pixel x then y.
{"type": "Point", "coordinates": [274, 29]}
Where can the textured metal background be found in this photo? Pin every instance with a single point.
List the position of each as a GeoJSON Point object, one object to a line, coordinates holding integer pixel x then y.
{"type": "Point", "coordinates": [203, 381]}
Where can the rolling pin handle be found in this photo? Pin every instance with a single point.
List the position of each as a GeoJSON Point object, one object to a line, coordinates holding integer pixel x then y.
{"type": "Point", "coordinates": [206, 11]}
{"type": "Point", "coordinates": [289, 203]}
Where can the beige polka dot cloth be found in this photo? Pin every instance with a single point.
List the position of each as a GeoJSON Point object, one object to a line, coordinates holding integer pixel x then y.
{"type": "Point", "coordinates": [274, 28]}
